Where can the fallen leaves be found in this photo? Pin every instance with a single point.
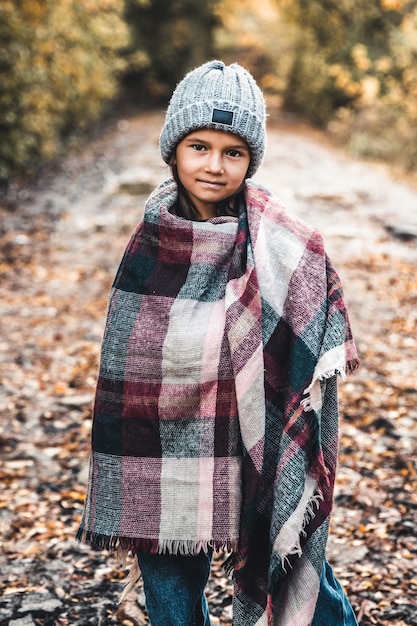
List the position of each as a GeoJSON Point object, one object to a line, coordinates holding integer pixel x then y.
{"type": "Point", "coordinates": [376, 492]}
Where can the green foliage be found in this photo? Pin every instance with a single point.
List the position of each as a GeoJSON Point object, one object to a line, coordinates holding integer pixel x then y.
{"type": "Point", "coordinates": [354, 69]}
{"type": "Point", "coordinates": [59, 64]}
{"type": "Point", "coordinates": [168, 38]}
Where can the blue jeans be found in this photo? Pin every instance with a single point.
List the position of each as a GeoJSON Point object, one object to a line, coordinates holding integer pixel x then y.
{"type": "Point", "coordinates": [174, 588]}
{"type": "Point", "coordinates": [332, 608]}
{"type": "Point", "coordinates": [174, 591]}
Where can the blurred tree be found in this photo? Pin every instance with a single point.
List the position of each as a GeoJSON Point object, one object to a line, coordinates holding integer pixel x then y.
{"type": "Point", "coordinates": [169, 37]}
{"type": "Point", "coordinates": [253, 33]}
{"type": "Point", "coordinates": [59, 65]}
{"type": "Point", "coordinates": [342, 41]}
{"type": "Point", "coordinates": [354, 64]}
{"type": "Point", "coordinates": [327, 64]}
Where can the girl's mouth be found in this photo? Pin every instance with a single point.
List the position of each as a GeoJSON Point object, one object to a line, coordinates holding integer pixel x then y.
{"type": "Point", "coordinates": [211, 183]}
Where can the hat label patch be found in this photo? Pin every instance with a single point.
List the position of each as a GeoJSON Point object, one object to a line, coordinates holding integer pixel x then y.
{"type": "Point", "coordinates": [222, 117]}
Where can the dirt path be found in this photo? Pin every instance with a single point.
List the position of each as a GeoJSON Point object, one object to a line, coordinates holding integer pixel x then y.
{"type": "Point", "coordinates": [61, 241]}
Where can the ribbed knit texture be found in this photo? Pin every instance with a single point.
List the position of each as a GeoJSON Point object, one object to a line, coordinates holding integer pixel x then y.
{"type": "Point", "coordinates": [217, 87]}
{"type": "Point", "coordinates": [179, 451]}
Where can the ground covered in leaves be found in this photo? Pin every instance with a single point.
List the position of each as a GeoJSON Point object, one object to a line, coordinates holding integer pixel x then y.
{"type": "Point", "coordinates": [61, 238]}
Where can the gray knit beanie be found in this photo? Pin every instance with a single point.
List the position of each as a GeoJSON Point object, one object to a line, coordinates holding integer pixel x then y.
{"type": "Point", "coordinates": [217, 96]}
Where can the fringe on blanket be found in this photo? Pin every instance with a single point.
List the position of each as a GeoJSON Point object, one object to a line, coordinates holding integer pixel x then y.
{"type": "Point", "coordinates": [132, 578]}
{"type": "Point", "coordinates": [187, 548]}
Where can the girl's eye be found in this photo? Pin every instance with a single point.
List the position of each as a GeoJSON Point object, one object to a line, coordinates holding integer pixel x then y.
{"type": "Point", "coordinates": [234, 153]}
{"type": "Point", "coordinates": [198, 147]}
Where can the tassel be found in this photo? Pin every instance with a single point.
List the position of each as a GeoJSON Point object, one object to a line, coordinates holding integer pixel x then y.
{"type": "Point", "coordinates": [131, 580]}
{"type": "Point", "coordinates": [229, 564]}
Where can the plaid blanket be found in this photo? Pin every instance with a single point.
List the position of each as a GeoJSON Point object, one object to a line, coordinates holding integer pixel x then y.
{"type": "Point", "coordinates": [215, 419]}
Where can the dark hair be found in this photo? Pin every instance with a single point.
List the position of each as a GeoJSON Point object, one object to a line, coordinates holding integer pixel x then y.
{"type": "Point", "coordinates": [184, 207]}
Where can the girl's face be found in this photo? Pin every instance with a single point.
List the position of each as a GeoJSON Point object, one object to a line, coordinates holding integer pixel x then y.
{"type": "Point", "coordinates": [211, 165]}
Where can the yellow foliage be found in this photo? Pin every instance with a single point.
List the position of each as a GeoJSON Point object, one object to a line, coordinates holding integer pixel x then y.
{"type": "Point", "coordinates": [255, 33]}
{"type": "Point", "coordinates": [358, 76]}
{"type": "Point", "coordinates": [384, 64]}
{"type": "Point", "coordinates": [58, 70]}
{"type": "Point", "coordinates": [370, 90]}
{"type": "Point", "coordinates": [343, 79]}
{"type": "Point", "coordinates": [393, 5]}
{"type": "Point", "coordinates": [360, 57]}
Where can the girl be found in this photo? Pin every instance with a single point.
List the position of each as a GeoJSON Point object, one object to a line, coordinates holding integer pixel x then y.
{"type": "Point", "coordinates": [215, 419]}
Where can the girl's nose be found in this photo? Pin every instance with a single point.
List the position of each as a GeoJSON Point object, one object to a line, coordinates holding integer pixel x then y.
{"type": "Point", "coordinates": [215, 163]}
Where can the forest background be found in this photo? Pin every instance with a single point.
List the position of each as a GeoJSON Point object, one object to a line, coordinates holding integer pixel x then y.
{"type": "Point", "coordinates": [83, 85]}
{"type": "Point", "coordinates": [66, 65]}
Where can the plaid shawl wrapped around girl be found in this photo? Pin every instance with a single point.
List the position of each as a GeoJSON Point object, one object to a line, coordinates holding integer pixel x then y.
{"type": "Point", "coordinates": [215, 419]}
